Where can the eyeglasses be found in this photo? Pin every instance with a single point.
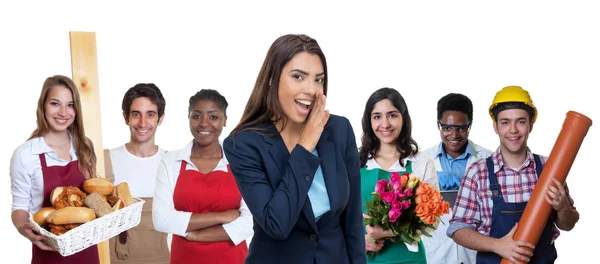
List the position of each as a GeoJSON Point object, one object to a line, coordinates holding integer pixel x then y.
{"type": "Point", "coordinates": [448, 129]}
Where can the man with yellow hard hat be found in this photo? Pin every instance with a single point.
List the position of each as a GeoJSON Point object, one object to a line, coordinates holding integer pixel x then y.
{"type": "Point", "coordinates": [495, 191]}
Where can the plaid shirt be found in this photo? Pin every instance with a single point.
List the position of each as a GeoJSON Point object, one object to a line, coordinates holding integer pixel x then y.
{"type": "Point", "coordinates": [473, 208]}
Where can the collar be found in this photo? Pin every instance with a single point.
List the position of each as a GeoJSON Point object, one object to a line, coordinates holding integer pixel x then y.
{"type": "Point", "coordinates": [39, 146]}
{"type": "Point", "coordinates": [186, 153]}
{"type": "Point", "coordinates": [499, 160]}
{"type": "Point", "coordinates": [372, 164]}
{"type": "Point", "coordinates": [470, 150]}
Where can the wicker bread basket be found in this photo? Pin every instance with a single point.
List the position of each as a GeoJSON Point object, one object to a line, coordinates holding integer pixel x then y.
{"type": "Point", "coordinates": [95, 231]}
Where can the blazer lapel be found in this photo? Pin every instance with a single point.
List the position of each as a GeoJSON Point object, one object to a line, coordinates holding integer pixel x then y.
{"type": "Point", "coordinates": [280, 155]}
{"type": "Point", "coordinates": [326, 149]}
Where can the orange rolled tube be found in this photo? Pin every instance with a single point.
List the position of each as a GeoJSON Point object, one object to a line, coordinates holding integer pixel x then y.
{"type": "Point", "coordinates": [557, 167]}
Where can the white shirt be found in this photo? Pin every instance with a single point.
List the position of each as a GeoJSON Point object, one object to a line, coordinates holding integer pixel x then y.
{"type": "Point", "coordinates": [164, 215]}
{"type": "Point", "coordinates": [138, 172]}
{"type": "Point", "coordinates": [27, 181]}
{"type": "Point", "coordinates": [422, 167]}
{"type": "Point", "coordinates": [440, 248]}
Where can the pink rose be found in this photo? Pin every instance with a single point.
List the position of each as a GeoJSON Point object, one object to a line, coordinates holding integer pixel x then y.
{"type": "Point", "coordinates": [405, 204]}
{"type": "Point", "coordinates": [381, 186]}
{"type": "Point", "coordinates": [394, 214]}
{"type": "Point", "coordinates": [388, 197]}
{"type": "Point", "coordinates": [397, 204]}
{"type": "Point", "coordinates": [408, 192]}
{"type": "Point", "coordinates": [399, 193]}
{"type": "Point", "coordinates": [396, 181]}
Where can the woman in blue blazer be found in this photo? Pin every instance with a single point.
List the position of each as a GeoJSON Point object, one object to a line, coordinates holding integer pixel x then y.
{"type": "Point", "coordinates": [297, 167]}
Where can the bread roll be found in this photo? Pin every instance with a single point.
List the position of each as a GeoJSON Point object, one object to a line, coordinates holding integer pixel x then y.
{"type": "Point", "coordinates": [95, 202]}
{"type": "Point", "coordinates": [122, 192]}
{"type": "Point", "coordinates": [40, 216]}
{"type": "Point", "coordinates": [118, 205]}
{"type": "Point", "coordinates": [98, 185]}
{"type": "Point", "coordinates": [64, 196]}
{"type": "Point", "coordinates": [71, 215]}
{"type": "Point", "coordinates": [54, 195]}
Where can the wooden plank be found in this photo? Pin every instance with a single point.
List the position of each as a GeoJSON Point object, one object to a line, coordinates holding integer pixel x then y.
{"type": "Point", "coordinates": [84, 67]}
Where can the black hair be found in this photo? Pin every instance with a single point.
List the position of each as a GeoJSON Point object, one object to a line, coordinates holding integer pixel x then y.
{"type": "Point", "coordinates": [148, 90]}
{"type": "Point", "coordinates": [405, 144]}
{"type": "Point", "coordinates": [455, 102]}
{"type": "Point", "coordinates": [209, 95]}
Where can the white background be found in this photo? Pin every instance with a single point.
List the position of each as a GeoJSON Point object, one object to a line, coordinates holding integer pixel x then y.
{"type": "Point", "coordinates": [424, 49]}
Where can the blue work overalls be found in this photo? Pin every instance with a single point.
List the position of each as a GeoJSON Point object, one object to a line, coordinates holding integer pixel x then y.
{"type": "Point", "coordinates": [504, 217]}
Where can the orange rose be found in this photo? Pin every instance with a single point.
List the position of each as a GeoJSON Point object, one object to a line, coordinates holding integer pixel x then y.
{"type": "Point", "coordinates": [404, 180]}
{"type": "Point", "coordinates": [446, 207]}
{"type": "Point", "coordinates": [423, 198]}
{"type": "Point", "coordinates": [436, 197]}
{"type": "Point", "coordinates": [428, 219]}
{"type": "Point", "coordinates": [439, 209]}
{"type": "Point", "coordinates": [421, 210]}
{"type": "Point", "coordinates": [431, 206]}
{"type": "Point", "coordinates": [423, 188]}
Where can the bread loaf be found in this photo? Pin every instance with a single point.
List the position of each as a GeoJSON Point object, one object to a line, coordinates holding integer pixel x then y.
{"type": "Point", "coordinates": [98, 185]}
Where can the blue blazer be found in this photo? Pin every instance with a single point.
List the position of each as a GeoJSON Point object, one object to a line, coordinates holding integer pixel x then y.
{"type": "Point", "coordinates": [274, 184]}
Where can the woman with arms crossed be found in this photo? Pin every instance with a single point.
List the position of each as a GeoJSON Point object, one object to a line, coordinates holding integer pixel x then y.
{"type": "Point", "coordinates": [196, 197]}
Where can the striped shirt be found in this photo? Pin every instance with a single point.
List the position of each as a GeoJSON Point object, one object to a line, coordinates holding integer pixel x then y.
{"type": "Point", "coordinates": [473, 207]}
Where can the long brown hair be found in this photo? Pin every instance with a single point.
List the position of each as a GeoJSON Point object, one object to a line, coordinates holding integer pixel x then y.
{"type": "Point", "coordinates": [405, 144]}
{"type": "Point", "coordinates": [86, 158]}
{"type": "Point", "coordinates": [263, 106]}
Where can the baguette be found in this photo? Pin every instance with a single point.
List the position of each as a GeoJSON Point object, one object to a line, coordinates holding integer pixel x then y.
{"type": "Point", "coordinates": [71, 215]}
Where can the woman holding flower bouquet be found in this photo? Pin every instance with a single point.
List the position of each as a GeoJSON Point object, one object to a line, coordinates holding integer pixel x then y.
{"type": "Point", "coordinates": [400, 189]}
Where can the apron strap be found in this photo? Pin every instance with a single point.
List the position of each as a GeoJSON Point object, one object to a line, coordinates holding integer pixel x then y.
{"type": "Point", "coordinates": [408, 167]}
{"type": "Point", "coordinates": [109, 175]}
{"type": "Point", "coordinates": [538, 165]}
{"type": "Point", "coordinates": [494, 186]}
{"type": "Point", "coordinates": [183, 166]}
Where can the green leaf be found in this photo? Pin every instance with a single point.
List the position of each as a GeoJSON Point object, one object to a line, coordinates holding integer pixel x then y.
{"type": "Point", "coordinates": [384, 218]}
{"type": "Point", "coordinates": [425, 232]}
{"type": "Point", "coordinates": [407, 239]}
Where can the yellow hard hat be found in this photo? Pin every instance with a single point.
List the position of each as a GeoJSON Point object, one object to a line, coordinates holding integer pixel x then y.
{"type": "Point", "coordinates": [513, 94]}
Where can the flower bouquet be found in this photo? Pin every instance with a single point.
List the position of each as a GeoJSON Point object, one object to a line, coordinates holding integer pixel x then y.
{"type": "Point", "coordinates": [406, 206]}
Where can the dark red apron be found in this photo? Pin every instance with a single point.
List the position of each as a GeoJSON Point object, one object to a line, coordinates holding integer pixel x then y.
{"type": "Point", "coordinates": [56, 176]}
{"type": "Point", "coordinates": [195, 192]}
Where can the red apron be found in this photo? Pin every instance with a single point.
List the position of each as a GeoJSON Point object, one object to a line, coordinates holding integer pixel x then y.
{"type": "Point", "coordinates": [56, 176]}
{"type": "Point", "coordinates": [195, 192]}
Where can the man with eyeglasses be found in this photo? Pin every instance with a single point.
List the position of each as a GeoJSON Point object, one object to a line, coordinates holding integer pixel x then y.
{"type": "Point", "coordinates": [452, 156]}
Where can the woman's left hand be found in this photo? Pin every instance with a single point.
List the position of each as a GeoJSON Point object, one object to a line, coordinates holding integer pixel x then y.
{"type": "Point", "coordinates": [557, 197]}
{"type": "Point", "coordinates": [376, 232]}
{"type": "Point", "coordinates": [373, 245]}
